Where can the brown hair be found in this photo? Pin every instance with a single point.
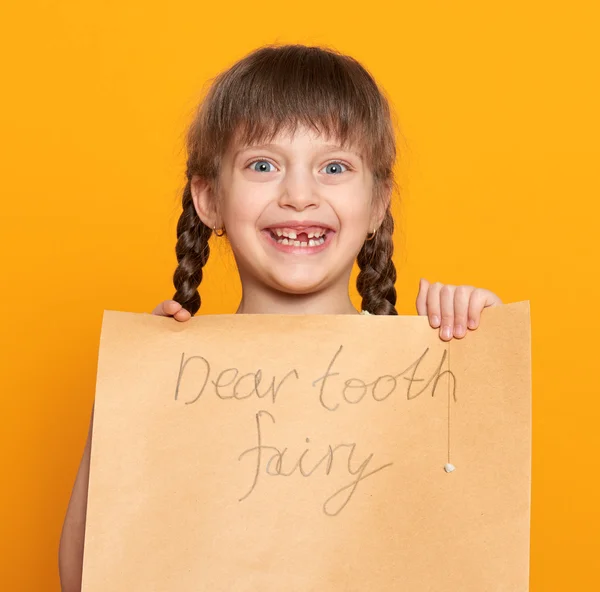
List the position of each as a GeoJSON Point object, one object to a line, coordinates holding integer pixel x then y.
{"type": "Point", "coordinates": [276, 88]}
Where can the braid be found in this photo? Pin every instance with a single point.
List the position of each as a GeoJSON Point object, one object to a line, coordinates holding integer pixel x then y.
{"type": "Point", "coordinates": [375, 282]}
{"type": "Point", "coordinates": [192, 254]}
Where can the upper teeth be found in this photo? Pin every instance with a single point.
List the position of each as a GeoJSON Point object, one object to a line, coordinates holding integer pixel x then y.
{"type": "Point", "coordinates": [293, 235]}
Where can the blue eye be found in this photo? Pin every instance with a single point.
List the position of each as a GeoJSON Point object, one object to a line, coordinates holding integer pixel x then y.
{"type": "Point", "coordinates": [335, 168]}
{"type": "Point", "coordinates": [263, 168]}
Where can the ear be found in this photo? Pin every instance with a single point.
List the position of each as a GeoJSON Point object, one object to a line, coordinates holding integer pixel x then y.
{"type": "Point", "coordinates": [204, 201]}
{"type": "Point", "coordinates": [380, 207]}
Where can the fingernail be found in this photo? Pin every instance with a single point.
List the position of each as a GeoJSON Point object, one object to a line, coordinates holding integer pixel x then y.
{"type": "Point", "coordinates": [458, 330]}
{"type": "Point", "coordinates": [471, 324]}
{"type": "Point", "coordinates": [447, 332]}
{"type": "Point", "coordinates": [435, 321]}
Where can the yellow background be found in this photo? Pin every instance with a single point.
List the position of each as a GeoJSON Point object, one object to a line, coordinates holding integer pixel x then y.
{"type": "Point", "coordinates": [498, 109]}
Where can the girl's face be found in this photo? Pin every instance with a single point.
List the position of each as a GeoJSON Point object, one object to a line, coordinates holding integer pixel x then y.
{"type": "Point", "coordinates": [296, 211]}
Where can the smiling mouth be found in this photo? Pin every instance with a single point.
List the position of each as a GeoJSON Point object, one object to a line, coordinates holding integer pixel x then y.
{"type": "Point", "coordinates": [304, 238]}
{"type": "Point", "coordinates": [311, 239]}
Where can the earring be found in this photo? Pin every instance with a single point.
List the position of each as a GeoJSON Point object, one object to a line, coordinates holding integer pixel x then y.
{"type": "Point", "coordinates": [372, 235]}
{"type": "Point", "coordinates": [221, 230]}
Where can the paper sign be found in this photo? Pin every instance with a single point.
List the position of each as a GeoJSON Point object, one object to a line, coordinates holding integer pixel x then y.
{"type": "Point", "coordinates": [283, 453]}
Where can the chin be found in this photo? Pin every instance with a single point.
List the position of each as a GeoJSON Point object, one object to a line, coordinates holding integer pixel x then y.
{"type": "Point", "coordinates": [297, 285]}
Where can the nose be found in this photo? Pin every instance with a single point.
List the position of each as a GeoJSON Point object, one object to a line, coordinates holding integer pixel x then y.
{"type": "Point", "coordinates": [298, 190]}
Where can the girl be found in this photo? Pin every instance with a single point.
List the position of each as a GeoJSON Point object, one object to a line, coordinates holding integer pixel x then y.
{"type": "Point", "coordinates": [291, 157]}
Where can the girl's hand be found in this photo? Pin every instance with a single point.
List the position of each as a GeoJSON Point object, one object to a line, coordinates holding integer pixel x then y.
{"type": "Point", "coordinates": [170, 308]}
{"type": "Point", "coordinates": [453, 308]}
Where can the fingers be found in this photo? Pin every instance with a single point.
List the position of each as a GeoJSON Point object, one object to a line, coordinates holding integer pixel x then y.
{"type": "Point", "coordinates": [171, 308]}
{"type": "Point", "coordinates": [433, 304]}
{"type": "Point", "coordinates": [182, 315]}
{"type": "Point", "coordinates": [462, 296]}
{"type": "Point", "coordinates": [167, 308]}
{"type": "Point", "coordinates": [422, 297]}
{"type": "Point", "coordinates": [479, 300]}
{"type": "Point", "coordinates": [454, 309]}
{"type": "Point", "coordinates": [447, 312]}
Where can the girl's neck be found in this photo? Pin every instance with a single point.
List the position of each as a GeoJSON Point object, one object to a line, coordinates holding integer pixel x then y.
{"type": "Point", "coordinates": [267, 301]}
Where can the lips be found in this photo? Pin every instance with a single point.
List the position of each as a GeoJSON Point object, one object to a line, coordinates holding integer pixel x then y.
{"type": "Point", "coordinates": [299, 232]}
{"type": "Point", "coordinates": [299, 237]}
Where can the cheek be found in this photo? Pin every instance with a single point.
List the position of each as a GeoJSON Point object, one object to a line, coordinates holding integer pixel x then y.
{"type": "Point", "coordinates": [354, 208]}
{"type": "Point", "coordinates": [243, 204]}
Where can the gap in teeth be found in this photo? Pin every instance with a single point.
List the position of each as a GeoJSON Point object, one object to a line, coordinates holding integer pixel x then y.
{"type": "Point", "coordinates": [284, 237]}
{"type": "Point", "coordinates": [293, 235]}
{"type": "Point", "coordinates": [296, 243]}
